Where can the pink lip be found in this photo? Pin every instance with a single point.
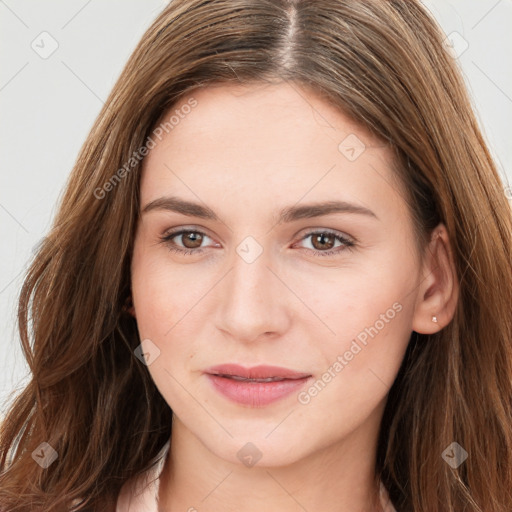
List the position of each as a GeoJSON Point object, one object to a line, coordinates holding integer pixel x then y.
{"type": "Point", "coordinates": [255, 394]}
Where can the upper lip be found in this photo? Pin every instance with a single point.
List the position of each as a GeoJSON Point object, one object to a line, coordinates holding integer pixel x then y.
{"type": "Point", "coordinates": [255, 372]}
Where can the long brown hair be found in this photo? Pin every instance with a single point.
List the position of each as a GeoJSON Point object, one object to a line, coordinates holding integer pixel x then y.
{"type": "Point", "coordinates": [383, 63]}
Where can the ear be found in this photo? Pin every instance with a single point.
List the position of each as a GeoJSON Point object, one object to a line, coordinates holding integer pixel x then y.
{"type": "Point", "coordinates": [129, 307]}
{"type": "Point", "coordinates": [438, 292]}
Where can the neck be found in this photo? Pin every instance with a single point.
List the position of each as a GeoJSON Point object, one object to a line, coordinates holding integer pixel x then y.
{"type": "Point", "coordinates": [337, 477]}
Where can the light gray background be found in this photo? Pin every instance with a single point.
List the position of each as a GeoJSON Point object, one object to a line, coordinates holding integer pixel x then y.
{"type": "Point", "coordinates": [48, 105]}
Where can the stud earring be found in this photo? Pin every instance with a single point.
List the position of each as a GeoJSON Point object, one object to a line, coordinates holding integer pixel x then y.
{"type": "Point", "coordinates": [434, 319]}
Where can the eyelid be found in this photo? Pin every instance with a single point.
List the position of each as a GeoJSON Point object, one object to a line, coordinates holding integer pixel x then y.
{"type": "Point", "coordinates": [311, 231]}
{"type": "Point", "coordinates": [170, 233]}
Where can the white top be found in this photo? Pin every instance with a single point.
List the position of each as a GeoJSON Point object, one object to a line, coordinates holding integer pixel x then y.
{"type": "Point", "coordinates": [141, 494]}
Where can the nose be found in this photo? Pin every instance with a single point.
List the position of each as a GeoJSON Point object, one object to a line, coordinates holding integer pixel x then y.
{"type": "Point", "coordinates": [254, 302]}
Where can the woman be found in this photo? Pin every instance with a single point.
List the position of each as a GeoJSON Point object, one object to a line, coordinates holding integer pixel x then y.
{"type": "Point", "coordinates": [279, 278]}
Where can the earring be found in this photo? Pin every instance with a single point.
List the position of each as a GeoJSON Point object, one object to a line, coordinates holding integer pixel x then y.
{"type": "Point", "coordinates": [434, 319]}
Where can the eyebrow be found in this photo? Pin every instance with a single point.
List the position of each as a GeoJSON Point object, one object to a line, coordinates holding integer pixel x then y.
{"type": "Point", "coordinates": [288, 214]}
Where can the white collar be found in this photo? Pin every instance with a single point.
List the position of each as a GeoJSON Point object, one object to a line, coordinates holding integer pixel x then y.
{"type": "Point", "coordinates": [141, 493]}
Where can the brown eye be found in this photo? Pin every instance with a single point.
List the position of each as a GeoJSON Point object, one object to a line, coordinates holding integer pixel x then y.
{"type": "Point", "coordinates": [323, 240]}
{"type": "Point", "coordinates": [191, 239]}
{"type": "Point", "coordinates": [327, 243]}
{"type": "Point", "coordinates": [185, 241]}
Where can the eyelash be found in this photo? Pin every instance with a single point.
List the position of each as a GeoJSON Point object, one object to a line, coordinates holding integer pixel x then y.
{"type": "Point", "coordinates": [348, 244]}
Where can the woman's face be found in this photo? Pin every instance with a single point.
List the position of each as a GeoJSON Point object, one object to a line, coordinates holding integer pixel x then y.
{"type": "Point", "coordinates": [297, 252]}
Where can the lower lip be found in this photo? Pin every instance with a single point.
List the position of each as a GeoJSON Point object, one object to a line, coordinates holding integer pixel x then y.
{"type": "Point", "coordinates": [256, 394]}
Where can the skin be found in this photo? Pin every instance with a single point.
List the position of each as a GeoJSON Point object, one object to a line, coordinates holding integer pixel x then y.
{"type": "Point", "coordinates": [246, 152]}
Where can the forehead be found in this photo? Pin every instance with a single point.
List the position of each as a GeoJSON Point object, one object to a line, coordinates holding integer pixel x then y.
{"type": "Point", "coordinates": [264, 109]}
{"type": "Point", "coordinates": [275, 143]}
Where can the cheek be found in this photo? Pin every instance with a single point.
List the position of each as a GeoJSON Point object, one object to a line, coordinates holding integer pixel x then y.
{"type": "Point", "coordinates": [163, 294]}
{"type": "Point", "coordinates": [367, 314]}
{"type": "Point", "coordinates": [357, 367]}
{"type": "Point", "coordinates": [165, 315]}
{"type": "Point", "coordinates": [168, 309]}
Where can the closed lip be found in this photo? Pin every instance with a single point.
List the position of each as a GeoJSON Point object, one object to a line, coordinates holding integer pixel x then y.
{"type": "Point", "coordinates": [255, 372]}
